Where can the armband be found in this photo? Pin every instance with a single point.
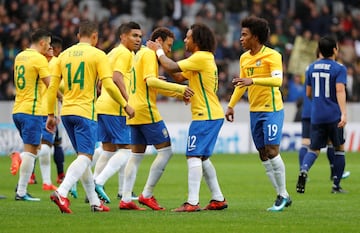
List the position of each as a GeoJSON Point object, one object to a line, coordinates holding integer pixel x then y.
{"type": "Point", "coordinates": [160, 52]}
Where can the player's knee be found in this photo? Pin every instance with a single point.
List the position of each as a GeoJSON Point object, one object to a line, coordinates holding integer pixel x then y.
{"type": "Point", "coordinates": [271, 151]}
{"type": "Point", "coordinates": [262, 154]}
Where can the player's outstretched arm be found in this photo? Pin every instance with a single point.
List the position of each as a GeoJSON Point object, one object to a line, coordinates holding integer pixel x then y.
{"type": "Point", "coordinates": [169, 65]}
{"type": "Point", "coordinates": [161, 84]}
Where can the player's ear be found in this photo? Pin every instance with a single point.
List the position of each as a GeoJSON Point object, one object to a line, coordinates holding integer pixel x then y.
{"type": "Point", "coordinates": [41, 42]}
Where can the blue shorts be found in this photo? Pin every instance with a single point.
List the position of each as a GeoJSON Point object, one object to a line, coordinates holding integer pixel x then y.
{"type": "Point", "coordinates": [113, 129]}
{"type": "Point", "coordinates": [29, 127]}
{"type": "Point", "coordinates": [202, 137]}
{"type": "Point", "coordinates": [149, 134]}
{"type": "Point", "coordinates": [46, 135]}
{"type": "Point", "coordinates": [82, 133]}
{"type": "Point", "coordinates": [305, 128]}
{"type": "Point", "coordinates": [322, 133]}
{"type": "Point", "coordinates": [266, 128]}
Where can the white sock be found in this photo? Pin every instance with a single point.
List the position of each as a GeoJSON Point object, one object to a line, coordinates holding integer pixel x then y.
{"type": "Point", "coordinates": [156, 170]}
{"type": "Point", "coordinates": [210, 176]}
{"type": "Point", "coordinates": [102, 161]}
{"type": "Point", "coordinates": [121, 178]}
{"type": "Point", "coordinates": [96, 155]}
{"type": "Point", "coordinates": [125, 156]}
{"type": "Point", "coordinates": [44, 155]}
{"type": "Point", "coordinates": [26, 168]}
{"type": "Point", "coordinates": [195, 173]}
{"type": "Point", "coordinates": [131, 169]}
{"type": "Point", "coordinates": [89, 187]}
{"type": "Point", "coordinates": [279, 173]}
{"type": "Point", "coordinates": [73, 174]}
{"type": "Point", "coordinates": [270, 173]}
{"type": "Point", "coordinates": [113, 165]}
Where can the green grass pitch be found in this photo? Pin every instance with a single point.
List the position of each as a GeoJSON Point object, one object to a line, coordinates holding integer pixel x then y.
{"type": "Point", "coordinates": [244, 184]}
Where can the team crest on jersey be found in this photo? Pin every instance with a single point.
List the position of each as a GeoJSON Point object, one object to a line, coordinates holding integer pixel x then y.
{"type": "Point", "coordinates": [258, 63]}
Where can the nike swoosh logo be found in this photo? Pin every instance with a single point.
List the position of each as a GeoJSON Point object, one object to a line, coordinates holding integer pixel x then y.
{"type": "Point", "coordinates": [60, 199]}
{"type": "Point", "coordinates": [272, 139]}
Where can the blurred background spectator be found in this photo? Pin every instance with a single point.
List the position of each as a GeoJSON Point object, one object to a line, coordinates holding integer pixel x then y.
{"type": "Point", "coordinates": [296, 25]}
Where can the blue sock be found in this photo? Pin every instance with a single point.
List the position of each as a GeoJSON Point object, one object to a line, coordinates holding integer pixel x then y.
{"type": "Point", "coordinates": [303, 150]}
{"type": "Point", "coordinates": [59, 158]}
{"type": "Point", "coordinates": [339, 166]}
{"type": "Point", "coordinates": [308, 161]}
{"type": "Point", "coordinates": [330, 152]}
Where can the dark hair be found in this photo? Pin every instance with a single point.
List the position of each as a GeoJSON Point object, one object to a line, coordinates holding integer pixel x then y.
{"type": "Point", "coordinates": [258, 27]}
{"type": "Point", "coordinates": [326, 46]}
{"type": "Point", "coordinates": [86, 28]}
{"type": "Point", "coordinates": [203, 37]}
{"type": "Point", "coordinates": [56, 41]}
{"type": "Point", "coordinates": [163, 33]}
{"type": "Point", "coordinates": [39, 34]}
{"type": "Point", "coordinates": [127, 27]}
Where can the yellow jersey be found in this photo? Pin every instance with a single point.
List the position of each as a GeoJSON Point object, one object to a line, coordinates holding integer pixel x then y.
{"type": "Point", "coordinates": [265, 68]}
{"type": "Point", "coordinates": [30, 67]}
{"type": "Point", "coordinates": [80, 67]}
{"type": "Point", "coordinates": [201, 71]}
{"type": "Point", "coordinates": [121, 60]}
{"type": "Point", "coordinates": [142, 97]}
{"type": "Point", "coordinates": [52, 64]}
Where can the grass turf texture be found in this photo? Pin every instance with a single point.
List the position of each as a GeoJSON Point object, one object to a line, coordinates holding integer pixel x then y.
{"type": "Point", "coordinates": [244, 184]}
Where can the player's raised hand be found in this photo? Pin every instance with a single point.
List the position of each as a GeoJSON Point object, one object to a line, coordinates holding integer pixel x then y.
{"type": "Point", "coordinates": [153, 45]}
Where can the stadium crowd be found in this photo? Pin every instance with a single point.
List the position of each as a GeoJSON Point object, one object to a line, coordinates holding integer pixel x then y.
{"type": "Point", "coordinates": [296, 25]}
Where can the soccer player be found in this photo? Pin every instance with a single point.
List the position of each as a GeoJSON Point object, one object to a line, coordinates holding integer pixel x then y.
{"type": "Point", "coordinates": [261, 74]}
{"type": "Point", "coordinates": [326, 80]}
{"type": "Point", "coordinates": [147, 127]}
{"type": "Point", "coordinates": [112, 129]}
{"type": "Point", "coordinates": [207, 113]}
{"type": "Point", "coordinates": [305, 141]}
{"type": "Point", "coordinates": [30, 68]}
{"type": "Point", "coordinates": [47, 139]}
{"type": "Point", "coordinates": [80, 67]}
{"type": "Point", "coordinates": [59, 158]}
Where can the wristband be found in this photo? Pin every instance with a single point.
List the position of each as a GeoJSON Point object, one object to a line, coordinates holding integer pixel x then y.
{"type": "Point", "coordinates": [160, 52]}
